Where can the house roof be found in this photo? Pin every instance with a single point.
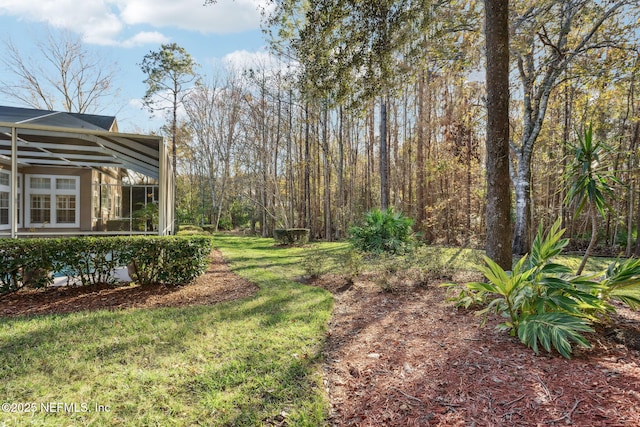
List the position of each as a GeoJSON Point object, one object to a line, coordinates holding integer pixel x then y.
{"type": "Point", "coordinates": [53, 138]}
{"type": "Point", "coordinates": [57, 118]}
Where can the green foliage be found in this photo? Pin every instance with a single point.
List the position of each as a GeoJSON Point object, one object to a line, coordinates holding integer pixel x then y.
{"type": "Point", "coordinates": [383, 231]}
{"type": "Point", "coordinates": [167, 69]}
{"type": "Point", "coordinates": [209, 228]}
{"type": "Point", "coordinates": [239, 363]}
{"type": "Point", "coordinates": [240, 212]}
{"type": "Point", "coordinates": [555, 330]}
{"type": "Point", "coordinates": [225, 223]}
{"type": "Point", "coordinates": [352, 264]}
{"type": "Point", "coordinates": [23, 262]}
{"type": "Point", "coordinates": [291, 236]}
{"type": "Point", "coordinates": [591, 182]}
{"type": "Point", "coordinates": [171, 260]}
{"type": "Point", "coordinates": [314, 264]}
{"type": "Point", "coordinates": [622, 282]}
{"type": "Point", "coordinates": [192, 230]}
{"type": "Point", "coordinates": [190, 227]}
{"type": "Point", "coordinates": [541, 300]}
{"type": "Point", "coordinates": [90, 260]}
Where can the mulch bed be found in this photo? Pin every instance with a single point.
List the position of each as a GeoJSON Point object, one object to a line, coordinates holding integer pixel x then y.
{"type": "Point", "coordinates": [216, 285]}
{"type": "Point", "coordinates": [410, 358]}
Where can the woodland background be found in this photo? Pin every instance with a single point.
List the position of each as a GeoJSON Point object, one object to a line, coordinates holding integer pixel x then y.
{"type": "Point", "coordinates": [383, 104]}
{"type": "Point", "coordinates": [300, 145]}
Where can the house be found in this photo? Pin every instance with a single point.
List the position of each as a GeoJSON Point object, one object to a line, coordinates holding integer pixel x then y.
{"type": "Point", "coordinates": [75, 174]}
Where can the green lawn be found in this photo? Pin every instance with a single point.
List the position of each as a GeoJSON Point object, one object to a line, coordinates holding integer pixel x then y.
{"type": "Point", "coordinates": [241, 363]}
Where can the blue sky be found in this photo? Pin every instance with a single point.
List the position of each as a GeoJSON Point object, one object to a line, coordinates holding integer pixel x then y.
{"type": "Point", "coordinates": [125, 30]}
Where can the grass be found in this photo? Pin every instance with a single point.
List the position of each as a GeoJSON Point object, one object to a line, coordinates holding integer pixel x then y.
{"type": "Point", "coordinates": [241, 363]}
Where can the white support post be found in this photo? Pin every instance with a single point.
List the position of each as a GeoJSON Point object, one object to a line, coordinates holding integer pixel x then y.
{"type": "Point", "coordinates": [14, 183]}
{"type": "Point", "coordinates": [162, 189]}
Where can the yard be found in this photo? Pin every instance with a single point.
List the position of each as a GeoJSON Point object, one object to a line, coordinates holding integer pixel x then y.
{"type": "Point", "coordinates": [224, 351]}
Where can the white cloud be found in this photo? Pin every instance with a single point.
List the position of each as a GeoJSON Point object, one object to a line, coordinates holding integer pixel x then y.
{"type": "Point", "coordinates": [145, 37]}
{"type": "Point", "coordinates": [223, 17]}
{"type": "Point", "coordinates": [104, 21]}
{"type": "Point", "coordinates": [244, 60]}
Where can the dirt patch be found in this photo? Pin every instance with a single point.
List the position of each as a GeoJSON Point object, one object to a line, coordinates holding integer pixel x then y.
{"type": "Point", "coordinates": [216, 285]}
{"type": "Point", "coordinates": [410, 358]}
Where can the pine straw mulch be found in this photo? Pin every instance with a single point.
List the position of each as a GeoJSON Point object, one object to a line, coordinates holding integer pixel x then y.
{"type": "Point", "coordinates": [216, 285]}
{"type": "Point", "coordinates": [409, 358]}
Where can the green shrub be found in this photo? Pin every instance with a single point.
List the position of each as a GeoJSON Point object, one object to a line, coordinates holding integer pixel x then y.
{"type": "Point", "coordinates": [352, 265]}
{"type": "Point", "coordinates": [291, 236]}
{"type": "Point", "coordinates": [314, 264]}
{"type": "Point", "coordinates": [209, 228]}
{"type": "Point", "coordinates": [383, 231]}
{"type": "Point", "coordinates": [171, 260]}
{"type": "Point", "coordinates": [189, 227]}
{"type": "Point", "coordinates": [225, 223]}
{"type": "Point", "coordinates": [91, 259]}
{"type": "Point", "coordinates": [544, 303]}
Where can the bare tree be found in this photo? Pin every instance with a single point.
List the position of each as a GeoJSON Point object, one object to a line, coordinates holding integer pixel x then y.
{"type": "Point", "coordinates": [63, 75]}
{"type": "Point", "coordinates": [214, 111]}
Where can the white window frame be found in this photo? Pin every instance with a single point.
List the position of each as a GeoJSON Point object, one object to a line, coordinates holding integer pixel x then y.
{"type": "Point", "coordinates": [52, 192]}
{"type": "Point", "coordinates": [7, 189]}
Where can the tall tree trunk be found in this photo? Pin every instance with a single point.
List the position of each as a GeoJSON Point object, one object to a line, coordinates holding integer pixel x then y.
{"type": "Point", "coordinates": [307, 170]}
{"type": "Point", "coordinates": [384, 156]}
{"type": "Point", "coordinates": [522, 227]}
{"type": "Point", "coordinates": [420, 149]}
{"type": "Point", "coordinates": [594, 236]}
{"type": "Point", "coordinates": [326, 174]}
{"type": "Point", "coordinates": [498, 229]}
{"type": "Point", "coordinates": [341, 190]}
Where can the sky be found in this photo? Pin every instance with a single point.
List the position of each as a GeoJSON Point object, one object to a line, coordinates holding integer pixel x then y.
{"type": "Point", "coordinates": [124, 31]}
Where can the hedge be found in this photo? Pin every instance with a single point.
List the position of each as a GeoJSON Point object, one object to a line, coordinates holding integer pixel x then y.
{"type": "Point", "coordinates": [169, 260]}
{"type": "Point", "coordinates": [291, 236]}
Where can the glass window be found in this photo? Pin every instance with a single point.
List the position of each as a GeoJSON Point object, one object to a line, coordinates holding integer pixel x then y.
{"type": "Point", "coordinates": [40, 208]}
{"type": "Point", "coordinates": [65, 184]}
{"type": "Point", "coordinates": [40, 183]}
{"type": "Point", "coordinates": [65, 209]}
{"type": "Point", "coordinates": [52, 201]}
{"type": "Point", "coordinates": [4, 207]}
{"type": "Point", "coordinates": [5, 199]}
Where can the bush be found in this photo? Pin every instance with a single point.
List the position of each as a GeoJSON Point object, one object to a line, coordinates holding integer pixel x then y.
{"type": "Point", "coordinates": [291, 236]}
{"type": "Point", "coordinates": [170, 260]}
{"type": "Point", "coordinates": [544, 303]}
{"type": "Point", "coordinates": [209, 228]}
{"type": "Point", "coordinates": [189, 227]}
{"type": "Point", "coordinates": [352, 265]}
{"type": "Point", "coordinates": [173, 260]}
{"type": "Point", "coordinates": [314, 264]}
{"type": "Point", "coordinates": [383, 231]}
{"type": "Point", "coordinates": [225, 223]}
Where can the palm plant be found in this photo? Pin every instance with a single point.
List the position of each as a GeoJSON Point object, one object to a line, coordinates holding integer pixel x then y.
{"type": "Point", "coordinates": [590, 185]}
{"type": "Point", "coordinates": [383, 231]}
